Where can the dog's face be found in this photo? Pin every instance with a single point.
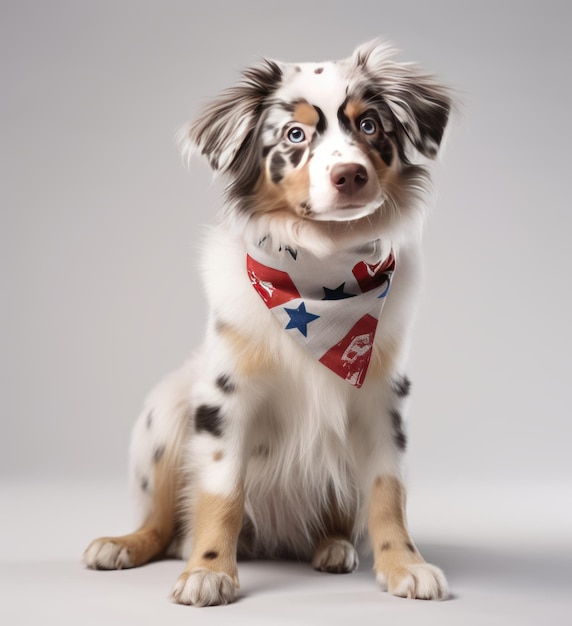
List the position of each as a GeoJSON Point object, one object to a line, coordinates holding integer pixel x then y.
{"type": "Point", "coordinates": [326, 141]}
{"type": "Point", "coordinates": [327, 154]}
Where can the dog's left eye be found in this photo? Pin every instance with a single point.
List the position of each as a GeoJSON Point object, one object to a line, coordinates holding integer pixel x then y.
{"type": "Point", "coordinates": [368, 126]}
{"type": "Point", "coordinates": [296, 135]}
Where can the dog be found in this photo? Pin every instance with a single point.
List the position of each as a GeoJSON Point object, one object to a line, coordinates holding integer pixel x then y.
{"type": "Point", "coordinates": [283, 435]}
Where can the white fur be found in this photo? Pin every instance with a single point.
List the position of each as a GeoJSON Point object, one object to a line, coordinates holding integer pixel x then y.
{"type": "Point", "coordinates": [326, 202]}
{"type": "Point", "coordinates": [421, 580]}
{"type": "Point", "coordinates": [107, 555]}
{"type": "Point", "coordinates": [204, 588]}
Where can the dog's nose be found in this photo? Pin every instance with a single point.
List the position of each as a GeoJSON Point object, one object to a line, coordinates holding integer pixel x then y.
{"type": "Point", "coordinates": [348, 177]}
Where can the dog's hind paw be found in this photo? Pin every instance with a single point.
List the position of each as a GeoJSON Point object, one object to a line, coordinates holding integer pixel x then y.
{"type": "Point", "coordinates": [105, 553]}
{"type": "Point", "coordinates": [336, 556]}
{"type": "Point", "coordinates": [203, 587]}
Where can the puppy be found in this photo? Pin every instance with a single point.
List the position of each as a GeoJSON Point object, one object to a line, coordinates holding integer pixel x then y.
{"type": "Point", "coordinates": [283, 435]}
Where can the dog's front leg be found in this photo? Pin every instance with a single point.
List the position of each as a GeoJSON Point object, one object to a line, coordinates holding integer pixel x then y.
{"type": "Point", "coordinates": [216, 459]}
{"type": "Point", "coordinates": [211, 575]}
{"type": "Point", "coordinates": [398, 564]}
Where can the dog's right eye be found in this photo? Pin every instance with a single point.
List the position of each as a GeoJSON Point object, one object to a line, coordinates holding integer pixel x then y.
{"type": "Point", "coordinates": [368, 126]}
{"type": "Point", "coordinates": [296, 135]}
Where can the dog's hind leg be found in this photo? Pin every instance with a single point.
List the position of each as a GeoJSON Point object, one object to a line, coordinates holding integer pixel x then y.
{"type": "Point", "coordinates": [156, 477]}
{"type": "Point", "coordinates": [335, 552]}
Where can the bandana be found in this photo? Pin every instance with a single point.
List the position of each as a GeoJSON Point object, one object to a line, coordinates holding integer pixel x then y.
{"type": "Point", "coordinates": [329, 306]}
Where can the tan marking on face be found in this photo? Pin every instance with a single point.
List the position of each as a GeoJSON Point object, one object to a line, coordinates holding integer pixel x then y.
{"type": "Point", "coordinates": [392, 545]}
{"type": "Point", "coordinates": [305, 113]}
{"type": "Point", "coordinates": [217, 522]}
{"type": "Point", "coordinates": [354, 108]}
{"type": "Point", "coordinates": [291, 194]}
{"type": "Point", "coordinates": [252, 356]}
{"type": "Point", "coordinates": [218, 455]}
{"type": "Point", "coordinates": [296, 188]}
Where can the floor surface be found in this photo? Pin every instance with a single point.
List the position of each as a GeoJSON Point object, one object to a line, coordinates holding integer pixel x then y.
{"type": "Point", "coordinates": [499, 577]}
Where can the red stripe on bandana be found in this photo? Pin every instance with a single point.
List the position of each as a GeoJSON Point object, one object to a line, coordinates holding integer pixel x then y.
{"type": "Point", "coordinates": [350, 357]}
{"type": "Point", "coordinates": [371, 276]}
{"type": "Point", "coordinates": [273, 286]}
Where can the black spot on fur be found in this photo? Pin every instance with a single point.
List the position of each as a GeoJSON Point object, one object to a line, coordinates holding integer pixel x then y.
{"type": "Point", "coordinates": [386, 151]}
{"type": "Point", "coordinates": [277, 164]}
{"type": "Point", "coordinates": [343, 119]}
{"type": "Point", "coordinates": [288, 106]}
{"type": "Point", "coordinates": [385, 546]}
{"type": "Point", "coordinates": [208, 418]}
{"type": "Point", "coordinates": [399, 436]}
{"type": "Point", "coordinates": [144, 484]}
{"type": "Point", "coordinates": [158, 454]}
{"type": "Point", "coordinates": [322, 122]}
{"type": "Point", "coordinates": [261, 451]}
{"type": "Point", "coordinates": [432, 113]}
{"type": "Point", "coordinates": [291, 251]}
{"type": "Point", "coordinates": [224, 383]}
{"type": "Point", "coordinates": [410, 547]}
{"type": "Point", "coordinates": [263, 78]}
{"type": "Point", "coordinates": [210, 555]}
{"type": "Point", "coordinates": [149, 420]}
{"type": "Point", "coordinates": [247, 173]}
{"type": "Point", "coordinates": [266, 150]}
{"type": "Point", "coordinates": [402, 386]}
{"type": "Point", "coordinates": [318, 70]}
{"type": "Point", "coordinates": [295, 156]}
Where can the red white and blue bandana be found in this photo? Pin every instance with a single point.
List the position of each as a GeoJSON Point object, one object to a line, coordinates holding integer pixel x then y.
{"type": "Point", "coordinates": [330, 306]}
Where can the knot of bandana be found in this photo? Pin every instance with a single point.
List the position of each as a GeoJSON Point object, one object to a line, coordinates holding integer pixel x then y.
{"type": "Point", "coordinates": [329, 306]}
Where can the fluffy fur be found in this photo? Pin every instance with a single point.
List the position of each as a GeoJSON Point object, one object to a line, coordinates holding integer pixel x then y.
{"type": "Point", "coordinates": [254, 447]}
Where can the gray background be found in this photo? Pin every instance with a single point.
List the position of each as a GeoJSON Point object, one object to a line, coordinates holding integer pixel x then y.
{"type": "Point", "coordinates": [101, 228]}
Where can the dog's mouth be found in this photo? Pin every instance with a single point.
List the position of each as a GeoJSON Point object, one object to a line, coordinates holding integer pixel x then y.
{"type": "Point", "coordinates": [347, 211]}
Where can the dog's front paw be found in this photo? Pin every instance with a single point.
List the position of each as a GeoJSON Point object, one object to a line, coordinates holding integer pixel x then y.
{"type": "Point", "coordinates": [203, 587]}
{"type": "Point", "coordinates": [417, 580]}
{"type": "Point", "coordinates": [336, 556]}
{"type": "Point", "coordinates": [106, 553]}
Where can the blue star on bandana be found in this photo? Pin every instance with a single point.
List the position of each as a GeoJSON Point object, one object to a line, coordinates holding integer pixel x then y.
{"type": "Point", "coordinates": [300, 318]}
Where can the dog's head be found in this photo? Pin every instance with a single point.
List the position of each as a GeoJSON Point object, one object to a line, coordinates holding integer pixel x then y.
{"type": "Point", "coordinates": [325, 142]}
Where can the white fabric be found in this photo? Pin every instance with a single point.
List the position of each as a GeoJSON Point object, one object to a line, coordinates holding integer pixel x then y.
{"type": "Point", "coordinates": [329, 306]}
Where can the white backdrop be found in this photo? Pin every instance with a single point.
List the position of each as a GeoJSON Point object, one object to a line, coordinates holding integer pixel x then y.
{"type": "Point", "coordinates": [101, 225]}
{"type": "Point", "coordinates": [101, 222]}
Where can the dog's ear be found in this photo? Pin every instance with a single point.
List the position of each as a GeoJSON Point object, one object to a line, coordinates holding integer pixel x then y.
{"type": "Point", "coordinates": [228, 123]}
{"type": "Point", "coordinates": [418, 104]}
